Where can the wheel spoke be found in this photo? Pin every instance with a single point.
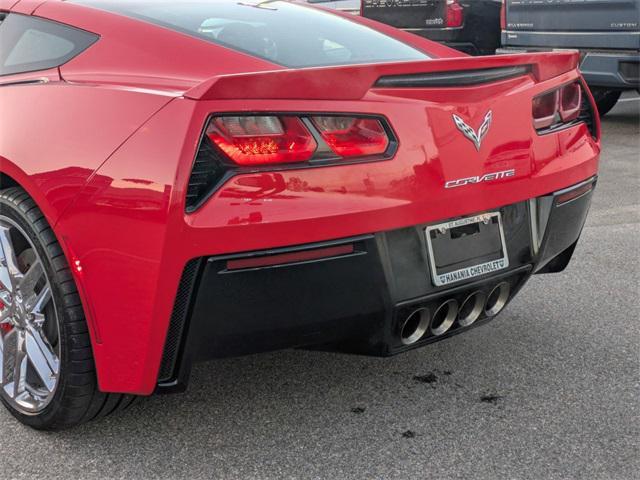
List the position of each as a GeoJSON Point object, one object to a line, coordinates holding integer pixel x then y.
{"type": "Point", "coordinates": [37, 303]}
{"type": "Point", "coordinates": [9, 271]}
{"type": "Point", "coordinates": [14, 363]}
{"type": "Point", "coordinates": [42, 358]}
{"type": "Point", "coordinates": [27, 284]}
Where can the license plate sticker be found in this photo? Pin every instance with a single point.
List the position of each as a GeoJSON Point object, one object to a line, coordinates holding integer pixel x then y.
{"type": "Point", "coordinates": [472, 246]}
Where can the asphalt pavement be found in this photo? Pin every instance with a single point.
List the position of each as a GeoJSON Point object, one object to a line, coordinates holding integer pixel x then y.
{"type": "Point", "coordinates": [548, 390]}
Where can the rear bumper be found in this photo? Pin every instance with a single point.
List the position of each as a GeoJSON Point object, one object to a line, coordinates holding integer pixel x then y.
{"type": "Point", "coordinates": [611, 69]}
{"type": "Point", "coordinates": [355, 299]}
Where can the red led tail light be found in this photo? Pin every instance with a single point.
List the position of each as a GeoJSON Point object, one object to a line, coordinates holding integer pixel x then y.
{"type": "Point", "coordinates": [353, 136]}
{"type": "Point", "coordinates": [559, 107]}
{"type": "Point", "coordinates": [262, 140]}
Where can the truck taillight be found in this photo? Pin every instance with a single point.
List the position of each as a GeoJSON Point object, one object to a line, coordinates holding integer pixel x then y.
{"type": "Point", "coordinates": [454, 14]}
{"type": "Point", "coordinates": [503, 15]}
{"type": "Point", "coordinates": [560, 107]}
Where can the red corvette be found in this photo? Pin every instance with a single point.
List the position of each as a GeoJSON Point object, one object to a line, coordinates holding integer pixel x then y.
{"type": "Point", "coordinates": [183, 181]}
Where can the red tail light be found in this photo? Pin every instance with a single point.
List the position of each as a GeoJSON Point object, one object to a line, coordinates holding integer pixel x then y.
{"type": "Point", "coordinates": [545, 109]}
{"type": "Point", "coordinates": [503, 15]}
{"type": "Point", "coordinates": [455, 14]}
{"type": "Point", "coordinates": [262, 140]}
{"type": "Point", "coordinates": [570, 102]}
{"type": "Point", "coordinates": [352, 136]}
{"type": "Point", "coordinates": [256, 140]}
{"type": "Point", "coordinates": [558, 107]}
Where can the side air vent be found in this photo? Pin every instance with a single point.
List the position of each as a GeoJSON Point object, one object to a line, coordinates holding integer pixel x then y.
{"type": "Point", "coordinates": [178, 321]}
{"type": "Point", "coordinates": [587, 115]}
{"type": "Point", "coordinates": [452, 79]}
{"type": "Point", "coordinates": [208, 170]}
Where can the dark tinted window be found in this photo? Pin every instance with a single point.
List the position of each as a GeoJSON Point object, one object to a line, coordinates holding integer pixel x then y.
{"type": "Point", "coordinates": [29, 44]}
{"type": "Point", "coordinates": [280, 32]}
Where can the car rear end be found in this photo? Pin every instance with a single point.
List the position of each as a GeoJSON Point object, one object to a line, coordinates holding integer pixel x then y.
{"type": "Point", "coordinates": [472, 27]}
{"type": "Point", "coordinates": [370, 196]}
{"type": "Point", "coordinates": [606, 32]}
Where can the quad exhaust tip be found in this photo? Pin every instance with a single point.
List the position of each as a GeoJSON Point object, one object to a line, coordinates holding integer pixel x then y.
{"type": "Point", "coordinates": [444, 317]}
{"type": "Point", "coordinates": [497, 299]}
{"type": "Point", "coordinates": [415, 326]}
{"type": "Point", "coordinates": [471, 308]}
{"type": "Point", "coordinates": [419, 322]}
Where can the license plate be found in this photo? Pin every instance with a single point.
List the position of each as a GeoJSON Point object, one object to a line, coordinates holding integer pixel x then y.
{"type": "Point", "coordinates": [467, 248]}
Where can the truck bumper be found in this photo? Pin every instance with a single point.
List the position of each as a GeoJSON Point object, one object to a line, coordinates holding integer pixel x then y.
{"type": "Point", "coordinates": [617, 70]}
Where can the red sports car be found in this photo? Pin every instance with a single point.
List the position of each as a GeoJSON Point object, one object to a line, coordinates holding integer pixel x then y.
{"type": "Point", "coordinates": [183, 181]}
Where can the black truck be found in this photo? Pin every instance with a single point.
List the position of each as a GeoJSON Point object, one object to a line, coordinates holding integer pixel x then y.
{"type": "Point", "coordinates": [471, 26]}
{"type": "Point", "coordinates": [606, 32]}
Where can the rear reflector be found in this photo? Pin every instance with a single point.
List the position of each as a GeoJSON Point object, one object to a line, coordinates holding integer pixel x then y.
{"type": "Point", "coordinates": [573, 194]}
{"type": "Point", "coordinates": [262, 140]}
{"type": "Point", "coordinates": [352, 136]}
{"type": "Point", "coordinates": [292, 257]}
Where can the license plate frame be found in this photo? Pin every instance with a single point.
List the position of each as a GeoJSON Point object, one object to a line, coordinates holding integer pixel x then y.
{"type": "Point", "coordinates": [441, 279]}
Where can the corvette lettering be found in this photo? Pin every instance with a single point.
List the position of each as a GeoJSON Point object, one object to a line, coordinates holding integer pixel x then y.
{"type": "Point", "coordinates": [489, 177]}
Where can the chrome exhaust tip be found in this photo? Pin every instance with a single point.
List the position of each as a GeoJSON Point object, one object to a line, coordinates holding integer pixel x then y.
{"type": "Point", "coordinates": [444, 317]}
{"type": "Point", "coordinates": [471, 308]}
{"type": "Point", "coordinates": [497, 299]}
{"type": "Point", "coordinates": [415, 326]}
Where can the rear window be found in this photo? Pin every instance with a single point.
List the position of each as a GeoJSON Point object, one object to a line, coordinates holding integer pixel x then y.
{"type": "Point", "coordinates": [280, 32]}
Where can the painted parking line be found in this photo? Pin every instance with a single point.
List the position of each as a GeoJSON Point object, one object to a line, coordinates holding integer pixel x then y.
{"type": "Point", "coordinates": [629, 99]}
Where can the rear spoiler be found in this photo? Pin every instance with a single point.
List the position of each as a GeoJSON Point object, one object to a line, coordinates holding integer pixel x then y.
{"type": "Point", "coordinates": [352, 82]}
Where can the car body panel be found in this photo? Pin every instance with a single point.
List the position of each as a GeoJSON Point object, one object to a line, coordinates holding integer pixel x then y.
{"type": "Point", "coordinates": [118, 129]}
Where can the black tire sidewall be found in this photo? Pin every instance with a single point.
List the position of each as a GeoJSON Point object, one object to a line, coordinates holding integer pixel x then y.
{"type": "Point", "coordinates": [48, 416]}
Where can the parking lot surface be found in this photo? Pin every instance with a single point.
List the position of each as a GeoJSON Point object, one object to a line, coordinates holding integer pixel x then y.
{"type": "Point", "coordinates": [548, 390]}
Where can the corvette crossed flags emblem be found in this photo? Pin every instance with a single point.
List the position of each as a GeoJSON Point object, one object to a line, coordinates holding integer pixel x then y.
{"type": "Point", "coordinates": [470, 133]}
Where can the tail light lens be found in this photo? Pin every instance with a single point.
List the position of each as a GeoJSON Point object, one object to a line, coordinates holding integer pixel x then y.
{"type": "Point", "coordinates": [353, 136]}
{"type": "Point", "coordinates": [257, 140]}
{"type": "Point", "coordinates": [262, 140]}
{"type": "Point", "coordinates": [570, 101]}
{"type": "Point", "coordinates": [545, 109]}
{"type": "Point", "coordinates": [561, 107]}
{"type": "Point", "coordinates": [503, 15]}
{"type": "Point", "coordinates": [235, 142]}
{"type": "Point", "coordinates": [455, 14]}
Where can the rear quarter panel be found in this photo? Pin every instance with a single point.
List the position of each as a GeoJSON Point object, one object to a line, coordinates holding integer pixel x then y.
{"type": "Point", "coordinates": [53, 136]}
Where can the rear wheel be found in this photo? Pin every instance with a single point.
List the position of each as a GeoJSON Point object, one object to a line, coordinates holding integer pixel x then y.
{"type": "Point", "coordinates": [605, 99]}
{"type": "Point", "coordinates": [47, 374]}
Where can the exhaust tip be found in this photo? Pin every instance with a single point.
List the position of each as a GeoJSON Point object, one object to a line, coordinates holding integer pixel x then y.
{"type": "Point", "coordinates": [497, 299]}
{"type": "Point", "coordinates": [415, 326]}
{"type": "Point", "coordinates": [471, 308]}
{"type": "Point", "coordinates": [444, 317]}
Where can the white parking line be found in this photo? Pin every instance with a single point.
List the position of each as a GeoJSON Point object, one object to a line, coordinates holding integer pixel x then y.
{"type": "Point", "coordinates": [629, 99]}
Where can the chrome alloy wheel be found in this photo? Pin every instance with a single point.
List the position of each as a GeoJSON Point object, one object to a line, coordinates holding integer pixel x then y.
{"type": "Point", "coordinates": [29, 327]}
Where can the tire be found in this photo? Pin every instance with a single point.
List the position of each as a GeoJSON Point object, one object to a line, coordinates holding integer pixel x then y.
{"type": "Point", "coordinates": [44, 339]}
{"type": "Point", "coordinates": [605, 99]}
